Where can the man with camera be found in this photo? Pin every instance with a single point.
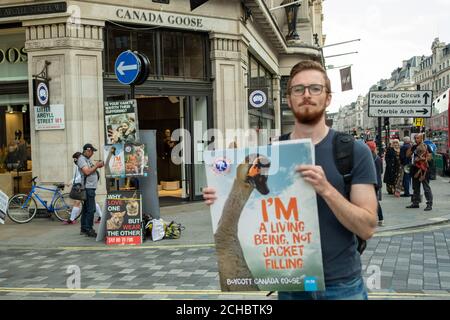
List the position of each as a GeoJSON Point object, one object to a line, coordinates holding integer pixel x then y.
{"type": "Point", "coordinates": [89, 171]}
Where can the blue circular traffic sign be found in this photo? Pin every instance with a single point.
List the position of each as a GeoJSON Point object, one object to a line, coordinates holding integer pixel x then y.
{"type": "Point", "coordinates": [127, 67]}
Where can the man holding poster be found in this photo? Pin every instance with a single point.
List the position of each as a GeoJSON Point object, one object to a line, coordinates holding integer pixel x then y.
{"type": "Point", "coordinates": [340, 217]}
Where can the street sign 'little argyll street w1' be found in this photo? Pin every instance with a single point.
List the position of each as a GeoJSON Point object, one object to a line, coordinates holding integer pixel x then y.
{"type": "Point", "coordinates": [400, 104]}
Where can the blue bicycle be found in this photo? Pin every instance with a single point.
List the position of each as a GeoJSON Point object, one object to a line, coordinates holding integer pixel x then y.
{"type": "Point", "coordinates": [22, 207]}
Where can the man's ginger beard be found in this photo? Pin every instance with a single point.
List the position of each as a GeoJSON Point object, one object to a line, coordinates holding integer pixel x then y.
{"type": "Point", "coordinates": [309, 115]}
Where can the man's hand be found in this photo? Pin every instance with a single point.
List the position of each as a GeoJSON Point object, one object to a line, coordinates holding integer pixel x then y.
{"type": "Point", "coordinates": [209, 194]}
{"type": "Point", "coordinates": [100, 164]}
{"type": "Point", "coordinates": [315, 176]}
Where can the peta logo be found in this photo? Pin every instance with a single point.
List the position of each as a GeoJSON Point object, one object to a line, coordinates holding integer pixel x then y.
{"type": "Point", "coordinates": [221, 166]}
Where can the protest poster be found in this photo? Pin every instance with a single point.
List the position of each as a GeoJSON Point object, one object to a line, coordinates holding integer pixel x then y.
{"type": "Point", "coordinates": [3, 206]}
{"type": "Point", "coordinates": [123, 216]}
{"type": "Point", "coordinates": [121, 122]}
{"type": "Point", "coordinates": [265, 219]}
{"type": "Point", "coordinates": [114, 161]}
{"type": "Point", "coordinates": [126, 160]}
{"type": "Point", "coordinates": [136, 160]}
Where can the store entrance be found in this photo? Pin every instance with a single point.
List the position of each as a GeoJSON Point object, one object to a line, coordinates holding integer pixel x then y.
{"type": "Point", "coordinates": [178, 120]}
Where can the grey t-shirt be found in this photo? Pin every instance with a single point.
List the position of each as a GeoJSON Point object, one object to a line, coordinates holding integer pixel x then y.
{"type": "Point", "coordinates": [92, 179]}
{"type": "Point", "coordinates": [341, 260]}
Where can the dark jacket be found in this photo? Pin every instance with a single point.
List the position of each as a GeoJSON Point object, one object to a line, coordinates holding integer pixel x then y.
{"type": "Point", "coordinates": [379, 169]}
{"type": "Point", "coordinates": [392, 166]}
{"type": "Point", "coordinates": [404, 160]}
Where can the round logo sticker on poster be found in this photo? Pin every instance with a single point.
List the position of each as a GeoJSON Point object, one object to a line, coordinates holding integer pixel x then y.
{"type": "Point", "coordinates": [257, 99]}
{"type": "Point", "coordinates": [221, 166]}
{"type": "Point", "coordinates": [42, 93]}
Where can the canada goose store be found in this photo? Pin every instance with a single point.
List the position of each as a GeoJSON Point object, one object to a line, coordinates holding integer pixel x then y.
{"type": "Point", "coordinates": [198, 80]}
{"type": "Point", "coordinates": [203, 61]}
{"type": "Point", "coordinates": [15, 148]}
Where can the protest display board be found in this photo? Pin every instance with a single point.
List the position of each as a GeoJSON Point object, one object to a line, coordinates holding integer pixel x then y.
{"type": "Point", "coordinates": [265, 218]}
{"type": "Point", "coordinates": [123, 216]}
{"type": "Point", "coordinates": [136, 159]}
{"type": "Point", "coordinates": [114, 161]}
{"type": "Point", "coordinates": [121, 122]}
{"type": "Point", "coordinates": [3, 206]}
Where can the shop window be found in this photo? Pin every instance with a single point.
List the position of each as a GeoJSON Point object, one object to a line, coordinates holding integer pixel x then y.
{"type": "Point", "coordinates": [118, 41]}
{"type": "Point", "coordinates": [253, 76]}
{"type": "Point", "coordinates": [172, 54]}
{"type": "Point", "coordinates": [146, 45]}
{"type": "Point", "coordinates": [260, 77]}
{"type": "Point", "coordinates": [194, 53]}
{"type": "Point", "coordinates": [172, 43]}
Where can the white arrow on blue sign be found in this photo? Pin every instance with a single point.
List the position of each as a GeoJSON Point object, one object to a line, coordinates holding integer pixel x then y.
{"type": "Point", "coordinates": [127, 67]}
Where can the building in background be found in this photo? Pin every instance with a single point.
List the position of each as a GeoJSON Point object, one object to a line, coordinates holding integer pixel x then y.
{"type": "Point", "coordinates": [202, 64]}
{"type": "Point", "coordinates": [424, 73]}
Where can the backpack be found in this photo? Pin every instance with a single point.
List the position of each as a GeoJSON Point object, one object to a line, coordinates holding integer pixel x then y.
{"type": "Point", "coordinates": [173, 230]}
{"type": "Point", "coordinates": [343, 158]}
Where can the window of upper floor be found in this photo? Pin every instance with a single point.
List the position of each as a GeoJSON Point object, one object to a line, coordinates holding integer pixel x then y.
{"type": "Point", "coordinates": [172, 53]}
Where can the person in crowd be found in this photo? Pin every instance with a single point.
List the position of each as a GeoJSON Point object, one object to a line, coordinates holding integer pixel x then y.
{"type": "Point", "coordinates": [379, 169]}
{"type": "Point", "coordinates": [392, 173]}
{"type": "Point", "coordinates": [420, 152]}
{"type": "Point", "coordinates": [76, 209]}
{"type": "Point", "coordinates": [405, 163]}
{"type": "Point", "coordinates": [89, 170]}
{"type": "Point", "coordinates": [340, 217]}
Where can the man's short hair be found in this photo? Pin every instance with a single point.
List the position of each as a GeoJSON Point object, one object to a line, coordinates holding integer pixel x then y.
{"type": "Point", "coordinates": [406, 139]}
{"type": "Point", "coordinates": [308, 65]}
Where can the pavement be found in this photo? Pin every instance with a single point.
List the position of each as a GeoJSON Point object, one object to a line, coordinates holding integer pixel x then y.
{"type": "Point", "coordinates": [195, 216]}
{"type": "Point", "coordinates": [397, 216]}
{"type": "Point", "coordinates": [38, 258]}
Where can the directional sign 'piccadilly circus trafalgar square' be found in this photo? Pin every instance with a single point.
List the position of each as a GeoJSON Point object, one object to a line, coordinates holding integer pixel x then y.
{"type": "Point", "coordinates": [400, 104]}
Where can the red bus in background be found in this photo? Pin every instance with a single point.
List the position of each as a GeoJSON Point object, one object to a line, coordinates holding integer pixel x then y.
{"type": "Point", "coordinates": [438, 127]}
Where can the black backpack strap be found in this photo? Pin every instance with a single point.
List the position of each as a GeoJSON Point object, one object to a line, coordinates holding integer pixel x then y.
{"type": "Point", "coordinates": [284, 137]}
{"type": "Point", "coordinates": [343, 157]}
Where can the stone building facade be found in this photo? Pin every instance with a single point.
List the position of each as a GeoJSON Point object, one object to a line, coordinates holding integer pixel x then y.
{"type": "Point", "coordinates": [203, 63]}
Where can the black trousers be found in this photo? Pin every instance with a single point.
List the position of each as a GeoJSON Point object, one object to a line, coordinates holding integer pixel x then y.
{"type": "Point", "coordinates": [87, 215]}
{"type": "Point", "coordinates": [426, 188]}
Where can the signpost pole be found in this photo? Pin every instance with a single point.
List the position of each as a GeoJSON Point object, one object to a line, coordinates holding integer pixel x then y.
{"type": "Point", "coordinates": [387, 131]}
{"type": "Point", "coordinates": [132, 89]}
{"type": "Point", "coordinates": [379, 137]}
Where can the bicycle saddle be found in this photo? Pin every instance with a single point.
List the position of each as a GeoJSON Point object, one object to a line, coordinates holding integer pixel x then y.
{"type": "Point", "coordinates": [60, 185]}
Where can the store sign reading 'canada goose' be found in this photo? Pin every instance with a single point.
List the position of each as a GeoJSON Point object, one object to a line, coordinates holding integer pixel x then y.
{"type": "Point", "coordinates": [161, 18]}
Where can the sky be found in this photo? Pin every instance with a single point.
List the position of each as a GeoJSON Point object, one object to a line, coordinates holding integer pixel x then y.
{"type": "Point", "coordinates": [390, 31]}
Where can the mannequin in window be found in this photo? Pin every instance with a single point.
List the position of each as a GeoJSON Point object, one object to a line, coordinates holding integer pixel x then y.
{"type": "Point", "coordinates": [291, 18]}
{"type": "Point", "coordinates": [168, 145]}
{"type": "Point", "coordinates": [17, 153]}
{"type": "Point", "coordinates": [13, 157]}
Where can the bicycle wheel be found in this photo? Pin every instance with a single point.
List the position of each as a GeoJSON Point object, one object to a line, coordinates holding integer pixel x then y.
{"type": "Point", "coordinates": [21, 209]}
{"type": "Point", "coordinates": [63, 207]}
